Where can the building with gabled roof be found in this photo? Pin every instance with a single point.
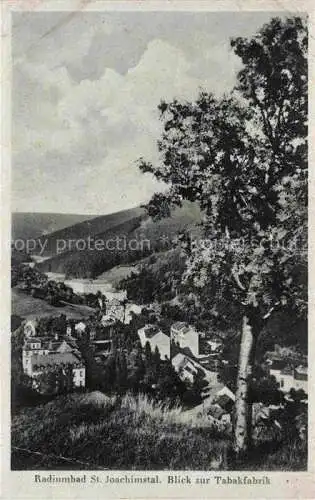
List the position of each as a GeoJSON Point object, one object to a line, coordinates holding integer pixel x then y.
{"type": "Point", "coordinates": [185, 367]}
{"type": "Point", "coordinates": [38, 364]}
{"type": "Point", "coordinates": [289, 376]}
{"type": "Point", "coordinates": [185, 336]}
{"type": "Point", "coordinates": [156, 338]}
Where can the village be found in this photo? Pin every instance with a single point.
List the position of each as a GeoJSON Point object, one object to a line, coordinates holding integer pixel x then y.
{"type": "Point", "coordinates": [52, 357]}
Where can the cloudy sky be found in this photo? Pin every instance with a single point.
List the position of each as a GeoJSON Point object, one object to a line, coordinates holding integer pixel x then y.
{"type": "Point", "coordinates": [85, 91]}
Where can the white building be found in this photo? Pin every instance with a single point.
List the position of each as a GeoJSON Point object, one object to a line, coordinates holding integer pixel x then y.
{"type": "Point", "coordinates": [156, 338]}
{"type": "Point", "coordinates": [130, 310]}
{"type": "Point", "coordinates": [184, 366]}
{"type": "Point", "coordinates": [288, 377]}
{"type": "Point", "coordinates": [187, 368]}
{"type": "Point", "coordinates": [80, 327]}
{"type": "Point", "coordinates": [215, 343]}
{"type": "Point", "coordinates": [82, 286]}
{"type": "Point", "coordinates": [30, 328]}
{"type": "Point", "coordinates": [40, 363]}
{"type": "Point", "coordinates": [85, 286]}
{"type": "Point", "coordinates": [116, 309]}
{"type": "Point", "coordinates": [185, 336]}
{"type": "Point", "coordinates": [40, 354]}
{"type": "Point", "coordinates": [300, 378]}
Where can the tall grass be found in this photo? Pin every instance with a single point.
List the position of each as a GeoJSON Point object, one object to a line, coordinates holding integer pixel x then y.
{"type": "Point", "coordinates": [130, 432]}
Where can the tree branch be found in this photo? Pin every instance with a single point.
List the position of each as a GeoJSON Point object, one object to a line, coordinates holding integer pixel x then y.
{"type": "Point", "coordinates": [238, 282]}
{"type": "Point", "coordinates": [267, 126]}
{"type": "Point", "coordinates": [268, 314]}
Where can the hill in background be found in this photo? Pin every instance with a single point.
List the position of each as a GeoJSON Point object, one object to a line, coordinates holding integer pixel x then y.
{"type": "Point", "coordinates": [94, 227]}
{"type": "Point", "coordinates": [27, 225]}
{"type": "Point", "coordinates": [129, 225]}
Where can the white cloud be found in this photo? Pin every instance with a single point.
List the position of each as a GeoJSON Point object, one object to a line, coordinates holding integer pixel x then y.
{"type": "Point", "coordinates": [76, 141]}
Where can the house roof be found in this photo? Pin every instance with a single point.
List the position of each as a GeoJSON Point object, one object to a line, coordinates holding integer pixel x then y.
{"type": "Point", "coordinates": [108, 320]}
{"type": "Point", "coordinates": [302, 369]}
{"type": "Point", "coordinates": [214, 338]}
{"type": "Point", "coordinates": [102, 341]}
{"type": "Point", "coordinates": [181, 326]}
{"type": "Point", "coordinates": [214, 389]}
{"type": "Point", "coordinates": [278, 365]}
{"type": "Point", "coordinates": [224, 401]}
{"type": "Point", "coordinates": [189, 369]}
{"type": "Point", "coordinates": [187, 351]}
{"type": "Point", "coordinates": [178, 360]}
{"type": "Point", "coordinates": [216, 411]}
{"type": "Point", "coordinates": [55, 359]}
{"type": "Point", "coordinates": [300, 373]}
{"type": "Point", "coordinates": [287, 370]}
{"type": "Point", "coordinates": [114, 302]}
{"type": "Point", "coordinates": [80, 325]}
{"type": "Point", "coordinates": [150, 331]}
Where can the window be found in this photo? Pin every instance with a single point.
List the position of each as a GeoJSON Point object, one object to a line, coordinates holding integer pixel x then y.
{"type": "Point", "coordinates": [281, 382]}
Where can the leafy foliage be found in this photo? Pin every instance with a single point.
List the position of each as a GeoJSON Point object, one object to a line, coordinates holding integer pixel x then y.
{"type": "Point", "coordinates": [244, 159]}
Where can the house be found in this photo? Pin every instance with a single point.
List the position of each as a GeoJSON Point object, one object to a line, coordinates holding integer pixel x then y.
{"type": "Point", "coordinates": [63, 347]}
{"type": "Point", "coordinates": [156, 338]}
{"type": "Point", "coordinates": [187, 368]}
{"type": "Point", "coordinates": [44, 346]}
{"type": "Point", "coordinates": [32, 347]}
{"type": "Point", "coordinates": [115, 309]}
{"type": "Point", "coordinates": [102, 349]}
{"type": "Point", "coordinates": [215, 343]}
{"type": "Point", "coordinates": [80, 328]}
{"type": "Point", "coordinates": [132, 309]}
{"type": "Point", "coordinates": [108, 322]}
{"type": "Point", "coordinates": [184, 366]}
{"type": "Point", "coordinates": [30, 328]}
{"type": "Point", "coordinates": [218, 390]}
{"type": "Point", "coordinates": [185, 336]}
{"type": "Point", "coordinates": [300, 378]}
{"type": "Point", "coordinates": [102, 346]}
{"type": "Point", "coordinates": [218, 413]}
{"type": "Point", "coordinates": [225, 399]}
{"type": "Point", "coordinates": [289, 377]}
{"type": "Point", "coordinates": [40, 363]}
{"type": "Point", "coordinates": [266, 426]}
{"type": "Point", "coordinates": [209, 362]}
{"type": "Point", "coordinates": [219, 394]}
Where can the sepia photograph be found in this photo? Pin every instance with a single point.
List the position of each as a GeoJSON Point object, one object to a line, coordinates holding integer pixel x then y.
{"type": "Point", "coordinates": [159, 243]}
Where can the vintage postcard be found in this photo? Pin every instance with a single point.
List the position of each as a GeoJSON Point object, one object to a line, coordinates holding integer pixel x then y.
{"type": "Point", "coordinates": [157, 221]}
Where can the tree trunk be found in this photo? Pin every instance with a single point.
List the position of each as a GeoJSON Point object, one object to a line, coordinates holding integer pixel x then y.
{"type": "Point", "coordinates": [243, 411]}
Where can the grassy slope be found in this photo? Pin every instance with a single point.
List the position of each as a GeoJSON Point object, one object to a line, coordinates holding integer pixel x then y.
{"type": "Point", "coordinates": [33, 225]}
{"type": "Point", "coordinates": [92, 431]}
{"type": "Point", "coordinates": [105, 432]}
{"type": "Point", "coordinates": [28, 307]}
{"type": "Point", "coordinates": [117, 273]}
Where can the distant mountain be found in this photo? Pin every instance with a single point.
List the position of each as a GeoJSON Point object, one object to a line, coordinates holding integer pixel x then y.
{"type": "Point", "coordinates": [129, 225]}
{"type": "Point", "coordinates": [26, 225]}
{"type": "Point", "coordinates": [92, 227]}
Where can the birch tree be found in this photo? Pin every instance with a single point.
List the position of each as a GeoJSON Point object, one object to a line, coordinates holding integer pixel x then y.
{"type": "Point", "coordinates": [243, 158]}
